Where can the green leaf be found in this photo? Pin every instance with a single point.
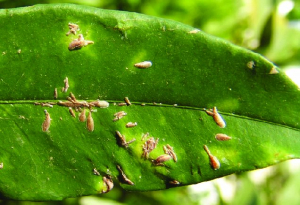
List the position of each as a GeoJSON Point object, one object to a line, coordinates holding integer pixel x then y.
{"type": "Point", "coordinates": [189, 68]}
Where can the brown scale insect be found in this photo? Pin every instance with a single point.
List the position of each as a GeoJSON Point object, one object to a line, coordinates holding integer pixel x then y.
{"type": "Point", "coordinates": [79, 43]}
{"type": "Point", "coordinates": [55, 93]}
{"type": "Point", "coordinates": [222, 137]}
{"type": "Point", "coordinates": [65, 89]}
{"type": "Point", "coordinates": [174, 182]}
{"type": "Point", "coordinates": [108, 182]}
{"type": "Point", "coordinates": [144, 64]}
{"type": "Point", "coordinates": [123, 139]}
{"type": "Point", "coordinates": [99, 103]}
{"type": "Point", "coordinates": [90, 122]}
{"type": "Point", "coordinates": [169, 150]}
{"type": "Point", "coordinates": [119, 115]}
{"type": "Point", "coordinates": [131, 124]}
{"type": "Point", "coordinates": [161, 159]}
{"type": "Point", "coordinates": [71, 111]}
{"type": "Point", "coordinates": [47, 121]}
{"type": "Point", "coordinates": [149, 145]}
{"type": "Point", "coordinates": [126, 99]}
{"type": "Point", "coordinates": [82, 116]}
{"type": "Point", "coordinates": [217, 117]}
{"type": "Point", "coordinates": [214, 162]}
{"type": "Point", "coordinates": [128, 181]}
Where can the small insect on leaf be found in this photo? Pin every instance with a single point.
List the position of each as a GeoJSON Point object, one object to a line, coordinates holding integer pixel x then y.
{"type": "Point", "coordinates": [222, 137]}
{"type": "Point", "coordinates": [90, 122]}
{"type": "Point", "coordinates": [55, 93]}
{"type": "Point", "coordinates": [215, 164]}
{"type": "Point", "coordinates": [108, 182]}
{"type": "Point", "coordinates": [82, 116]}
{"type": "Point", "coordinates": [79, 43]}
{"type": "Point", "coordinates": [161, 159]}
{"type": "Point", "coordinates": [169, 150]}
{"type": "Point", "coordinates": [174, 182]}
{"type": "Point", "coordinates": [66, 81]}
{"type": "Point", "coordinates": [148, 146]}
{"type": "Point", "coordinates": [99, 103]}
{"type": "Point", "coordinates": [1, 165]}
{"type": "Point", "coordinates": [217, 117]}
{"type": "Point", "coordinates": [119, 115]}
{"type": "Point", "coordinates": [127, 101]}
{"type": "Point", "coordinates": [71, 111]}
{"type": "Point", "coordinates": [73, 28]}
{"type": "Point", "coordinates": [131, 124]}
{"type": "Point", "coordinates": [144, 64]}
{"type": "Point", "coordinates": [95, 171]}
{"type": "Point", "coordinates": [47, 121]}
{"type": "Point", "coordinates": [125, 179]}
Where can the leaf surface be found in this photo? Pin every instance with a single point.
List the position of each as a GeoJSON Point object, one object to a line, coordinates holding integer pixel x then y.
{"type": "Point", "coordinates": [190, 69]}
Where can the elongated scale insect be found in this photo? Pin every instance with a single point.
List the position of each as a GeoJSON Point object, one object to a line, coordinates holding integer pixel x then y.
{"type": "Point", "coordinates": [99, 103]}
{"type": "Point", "coordinates": [119, 115]}
{"type": "Point", "coordinates": [55, 93]}
{"type": "Point", "coordinates": [1, 165]}
{"type": "Point", "coordinates": [131, 124]}
{"type": "Point", "coordinates": [122, 104]}
{"type": "Point", "coordinates": [71, 111]}
{"type": "Point", "coordinates": [82, 116]}
{"type": "Point", "coordinates": [169, 150]}
{"type": "Point", "coordinates": [217, 117]}
{"type": "Point", "coordinates": [174, 182]}
{"type": "Point", "coordinates": [123, 139]}
{"type": "Point", "coordinates": [47, 122]}
{"type": "Point", "coordinates": [66, 81]}
{"type": "Point", "coordinates": [90, 122]}
{"type": "Point", "coordinates": [79, 43]}
{"type": "Point", "coordinates": [222, 137]}
{"type": "Point", "coordinates": [46, 105]}
{"type": "Point", "coordinates": [194, 31]}
{"type": "Point", "coordinates": [128, 181]}
{"type": "Point", "coordinates": [108, 182]}
{"type": "Point", "coordinates": [161, 159]}
{"type": "Point", "coordinates": [95, 171]}
{"type": "Point", "coordinates": [127, 101]}
{"type": "Point", "coordinates": [73, 97]}
{"type": "Point", "coordinates": [144, 64]}
{"type": "Point", "coordinates": [215, 164]}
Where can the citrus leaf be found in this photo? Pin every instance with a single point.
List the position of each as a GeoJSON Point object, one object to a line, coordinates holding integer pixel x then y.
{"type": "Point", "coordinates": [187, 73]}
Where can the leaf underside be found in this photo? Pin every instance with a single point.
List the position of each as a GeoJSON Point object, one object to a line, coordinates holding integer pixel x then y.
{"type": "Point", "coordinates": [189, 68]}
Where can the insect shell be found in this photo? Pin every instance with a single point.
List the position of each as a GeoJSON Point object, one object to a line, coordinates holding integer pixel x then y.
{"type": "Point", "coordinates": [90, 122]}
{"type": "Point", "coordinates": [161, 159]}
{"type": "Point", "coordinates": [128, 181]}
{"type": "Point", "coordinates": [108, 183]}
{"type": "Point", "coordinates": [1, 165]}
{"type": "Point", "coordinates": [131, 124]}
{"type": "Point", "coordinates": [100, 103]}
{"type": "Point", "coordinates": [95, 171]}
{"type": "Point", "coordinates": [82, 117]}
{"type": "Point", "coordinates": [218, 118]}
{"type": "Point", "coordinates": [127, 101]}
{"type": "Point", "coordinates": [144, 64]}
{"type": "Point", "coordinates": [215, 164]}
{"type": "Point", "coordinates": [79, 43]}
{"type": "Point", "coordinates": [55, 93]}
{"type": "Point", "coordinates": [222, 137]}
{"type": "Point", "coordinates": [71, 111]}
{"type": "Point", "coordinates": [47, 121]}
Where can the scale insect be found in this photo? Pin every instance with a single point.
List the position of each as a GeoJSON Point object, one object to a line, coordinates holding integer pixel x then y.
{"type": "Point", "coordinates": [108, 182]}
{"type": "Point", "coordinates": [214, 162]}
{"type": "Point", "coordinates": [217, 117]}
{"type": "Point", "coordinates": [128, 181]}
{"type": "Point", "coordinates": [144, 64]}
{"type": "Point", "coordinates": [222, 137]}
{"type": "Point", "coordinates": [47, 122]}
{"type": "Point", "coordinates": [79, 43]}
{"type": "Point", "coordinates": [131, 124]}
{"type": "Point", "coordinates": [90, 122]}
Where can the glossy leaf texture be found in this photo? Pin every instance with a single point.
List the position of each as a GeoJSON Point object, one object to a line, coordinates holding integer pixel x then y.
{"type": "Point", "coordinates": [191, 73]}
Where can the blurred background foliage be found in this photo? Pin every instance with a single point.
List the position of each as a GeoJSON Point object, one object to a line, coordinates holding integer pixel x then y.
{"type": "Point", "coordinates": [269, 27]}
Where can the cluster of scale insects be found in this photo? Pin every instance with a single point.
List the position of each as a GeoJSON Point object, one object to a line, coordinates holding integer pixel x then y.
{"type": "Point", "coordinates": [150, 143]}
